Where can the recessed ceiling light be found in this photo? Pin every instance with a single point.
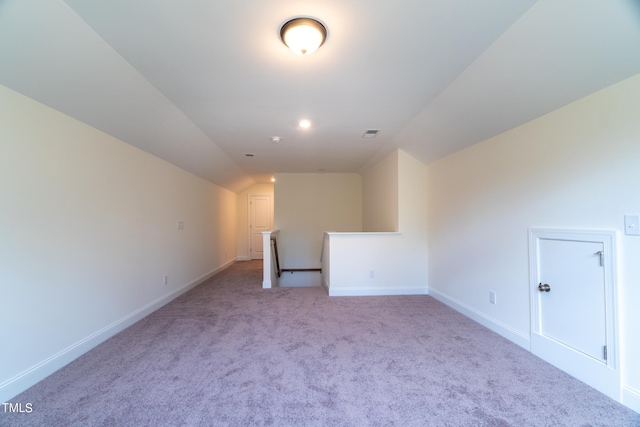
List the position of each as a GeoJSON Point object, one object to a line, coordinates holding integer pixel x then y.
{"type": "Point", "coordinates": [276, 139]}
{"type": "Point", "coordinates": [273, 180]}
{"type": "Point", "coordinates": [370, 133]}
{"type": "Point", "coordinates": [304, 124]}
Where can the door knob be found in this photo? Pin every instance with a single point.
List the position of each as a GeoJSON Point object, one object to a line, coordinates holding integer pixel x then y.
{"type": "Point", "coordinates": [544, 288]}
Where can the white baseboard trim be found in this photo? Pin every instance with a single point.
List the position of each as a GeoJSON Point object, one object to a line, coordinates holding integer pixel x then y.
{"type": "Point", "coordinates": [360, 292]}
{"type": "Point", "coordinates": [244, 258]}
{"type": "Point", "coordinates": [585, 368]}
{"type": "Point", "coordinates": [19, 383]}
{"type": "Point", "coordinates": [631, 398]}
{"type": "Point", "coordinates": [523, 340]}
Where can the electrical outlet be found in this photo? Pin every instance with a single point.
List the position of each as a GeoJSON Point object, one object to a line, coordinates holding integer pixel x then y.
{"type": "Point", "coordinates": [372, 274]}
{"type": "Point", "coordinates": [180, 225]}
{"type": "Point", "coordinates": [492, 297]}
{"type": "Point", "coordinates": [165, 280]}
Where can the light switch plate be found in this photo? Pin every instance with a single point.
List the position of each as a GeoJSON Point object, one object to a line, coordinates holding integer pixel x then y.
{"type": "Point", "coordinates": [632, 225]}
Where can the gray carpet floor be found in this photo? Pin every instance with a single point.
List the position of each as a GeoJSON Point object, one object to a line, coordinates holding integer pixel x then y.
{"type": "Point", "coordinates": [229, 353]}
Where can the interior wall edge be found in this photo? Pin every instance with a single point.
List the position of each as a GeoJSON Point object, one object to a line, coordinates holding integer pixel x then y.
{"type": "Point", "coordinates": [517, 337]}
{"type": "Point", "coordinates": [366, 292]}
{"type": "Point", "coordinates": [631, 397]}
{"type": "Point", "coordinates": [22, 381]}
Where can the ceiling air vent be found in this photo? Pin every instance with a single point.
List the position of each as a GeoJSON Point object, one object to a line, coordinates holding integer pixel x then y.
{"type": "Point", "coordinates": [370, 133]}
{"type": "Point", "coordinates": [248, 154]}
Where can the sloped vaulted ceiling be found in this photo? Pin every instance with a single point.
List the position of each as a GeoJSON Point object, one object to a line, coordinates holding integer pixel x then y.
{"type": "Point", "coordinates": [201, 82]}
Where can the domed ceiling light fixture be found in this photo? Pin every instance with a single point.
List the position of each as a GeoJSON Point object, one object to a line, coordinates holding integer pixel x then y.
{"type": "Point", "coordinates": [303, 35]}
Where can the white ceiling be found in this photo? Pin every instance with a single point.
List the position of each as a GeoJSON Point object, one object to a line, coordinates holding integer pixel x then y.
{"type": "Point", "coordinates": [200, 83]}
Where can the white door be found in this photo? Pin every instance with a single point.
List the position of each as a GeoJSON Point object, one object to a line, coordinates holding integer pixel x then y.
{"type": "Point", "coordinates": [259, 221]}
{"type": "Point", "coordinates": [573, 309]}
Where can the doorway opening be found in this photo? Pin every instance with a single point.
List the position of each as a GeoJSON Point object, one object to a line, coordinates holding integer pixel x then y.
{"type": "Point", "coordinates": [574, 304]}
{"type": "Point", "coordinates": [260, 220]}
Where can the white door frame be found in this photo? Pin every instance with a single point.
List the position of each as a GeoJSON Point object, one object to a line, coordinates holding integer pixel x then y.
{"type": "Point", "coordinates": [605, 378]}
{"type": "Point", "coordinates": [249, 241]}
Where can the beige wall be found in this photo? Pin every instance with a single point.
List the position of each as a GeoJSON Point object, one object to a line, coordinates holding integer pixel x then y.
{"type": "Point", "coordinates": [574, 168]}
{"type": "Point", "coordinates": [380, 195]}
{"type": "Point", "coordinates": [243, 216]}
{"type": "Point", "coordinates": [412, 214]}
{"type": "Point", "coordinates": [89, 230]}
{"type": "Point", "coordinates": [385, 263]}
{"type": "Point", "coordinates": [307, 205]}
